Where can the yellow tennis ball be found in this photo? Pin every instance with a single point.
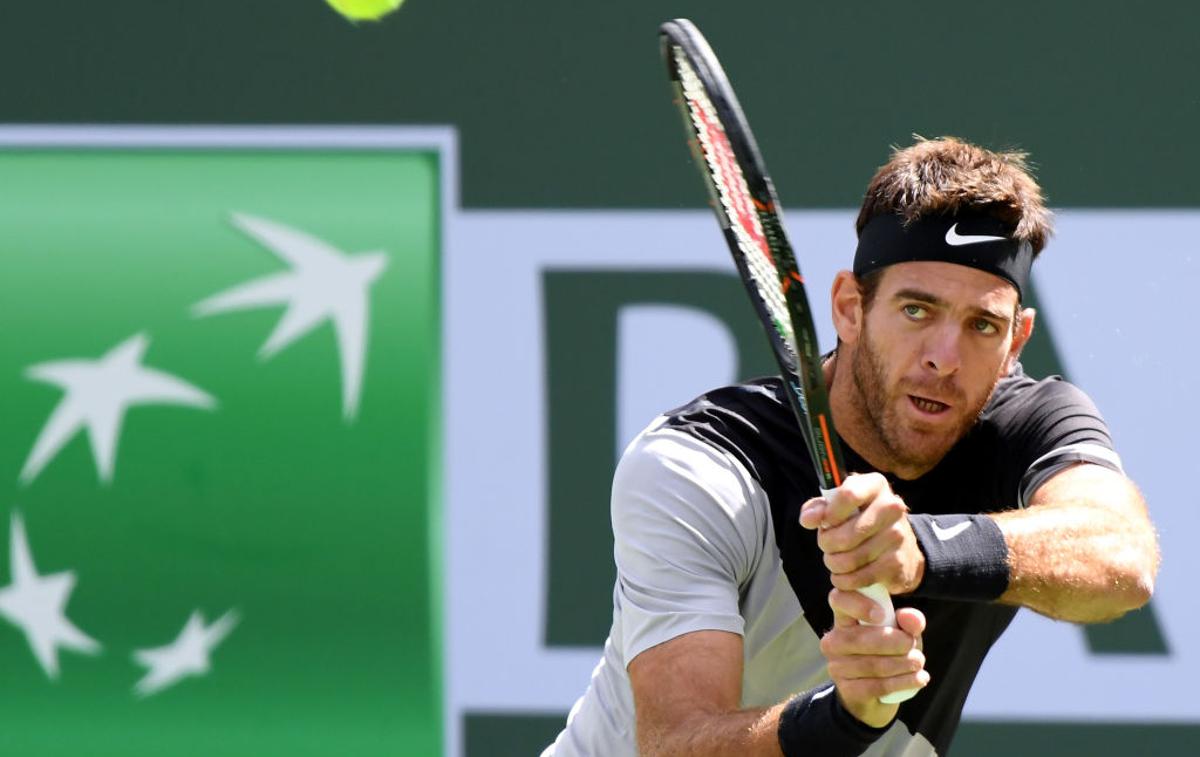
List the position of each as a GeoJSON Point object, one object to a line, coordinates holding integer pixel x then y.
{"type": "Point", "coordinates": [364, 10]}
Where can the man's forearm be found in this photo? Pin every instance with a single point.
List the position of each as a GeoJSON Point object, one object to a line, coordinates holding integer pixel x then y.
{"type": "Point", "coordinates": [687, 691]}
{"type": "Point", "coordinates": [749, 732]}
{"type": "Point", "coordinates": [1084, 551]}
{"type": "Point", "coordinates": [814, 723]}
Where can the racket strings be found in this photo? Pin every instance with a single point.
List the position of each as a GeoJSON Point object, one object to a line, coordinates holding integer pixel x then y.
{"type": "Point", "coordinates": [735, 198]}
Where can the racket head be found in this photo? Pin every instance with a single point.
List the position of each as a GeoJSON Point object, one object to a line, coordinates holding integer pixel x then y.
{"type": "Point", "coordinates": [747, 208]}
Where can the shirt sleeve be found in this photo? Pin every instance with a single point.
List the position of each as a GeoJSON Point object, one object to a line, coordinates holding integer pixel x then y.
{"type": "Point", "coordinates": [1062, 428]}
{"type": "Point", "coordinates": [689, 527]}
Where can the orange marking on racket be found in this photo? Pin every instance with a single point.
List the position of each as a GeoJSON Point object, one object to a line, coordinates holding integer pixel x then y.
{"type": "Point", "coordinates": [837, 475]}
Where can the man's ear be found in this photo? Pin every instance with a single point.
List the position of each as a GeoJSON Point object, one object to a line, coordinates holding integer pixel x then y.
{"type": "Point", "coordinates": [1024, 330]}
{"type": "Point", "coordinates": [847, 302]}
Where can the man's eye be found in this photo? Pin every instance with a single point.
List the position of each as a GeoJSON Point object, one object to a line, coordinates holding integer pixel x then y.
{"type": "Point", "coordinates": [984, 326]}
{"type": "Point", "coordinates": [916, 312]}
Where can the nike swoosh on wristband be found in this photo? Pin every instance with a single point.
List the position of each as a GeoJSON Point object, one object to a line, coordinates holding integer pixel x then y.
{"type": "Point", "coordinates": [954, 239]}
{"type": "Point", "coordinates": [946, 534]}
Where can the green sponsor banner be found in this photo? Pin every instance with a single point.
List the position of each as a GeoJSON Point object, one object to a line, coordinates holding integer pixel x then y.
{"type": "Point", "coordinates": [220, 385]}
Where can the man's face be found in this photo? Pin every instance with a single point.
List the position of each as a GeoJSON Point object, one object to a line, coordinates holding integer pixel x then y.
{"type": "Point", "coordinates": [934, 342]}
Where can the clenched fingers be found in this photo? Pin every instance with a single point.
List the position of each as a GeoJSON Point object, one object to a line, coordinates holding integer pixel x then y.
{"type": "Point", "coordinates": [865, 553]}
{"type": "Point", "coordinates": [846, 640]}
{"type": "Point", "coordinates": [879, 515]}
{"type": "Point", "coordinates": [911, 621]}
{"type": "Point", "coordinates": [872, 689]}
{"type": "Point", "coordinates": [891, 569]}
{"type": "Point", "coordinates": [854, 608]}
{"type": "Point", "coordinates": [856, 492]}
{"type": "Point", "coordinates": [812, 513]}
{"type": "Point", "coordinates": [876, 666]}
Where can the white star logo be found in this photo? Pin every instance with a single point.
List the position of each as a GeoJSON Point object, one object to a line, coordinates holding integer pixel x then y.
{"type": "Point", "coordinates": [36, 603]}
{"type": "Point", "coordinates": [98, 392]}
{"type": "Point", "coordinates": [187, 656]}
{"type": "Point", "coordinates": [323, 284]}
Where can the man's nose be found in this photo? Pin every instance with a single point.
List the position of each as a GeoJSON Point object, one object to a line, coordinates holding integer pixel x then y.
{"type": "Point", "coordinates": [943, 351]}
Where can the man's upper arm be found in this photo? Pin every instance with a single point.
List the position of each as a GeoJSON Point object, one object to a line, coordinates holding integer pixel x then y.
{"type": "Point", "coordinates": [1072, 455]}
{"type": "Point", "coordinates": [1058, 429]}
{"type": "Point", "coordinates": [1101, 487]}
{"type": "Point", "coordinates": [1083, 549]}
{"type": "Point", "coordinates": [1092, 484]}
{"type": "Point", "coordinates": [695, 675]}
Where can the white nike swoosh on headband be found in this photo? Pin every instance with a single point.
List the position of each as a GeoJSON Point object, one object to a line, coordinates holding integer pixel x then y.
{"type": "Point", "coordinates": [954, 239]}
{"type": "Point", "coordinates": [946, 534]}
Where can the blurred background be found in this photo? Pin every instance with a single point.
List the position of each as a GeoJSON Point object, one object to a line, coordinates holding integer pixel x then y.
{"type": "Point", "coordinates": [321, 340]}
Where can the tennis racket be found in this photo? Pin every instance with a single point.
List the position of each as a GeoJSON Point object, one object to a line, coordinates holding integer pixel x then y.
{"type": "Point", "coordinates": [748, 211]}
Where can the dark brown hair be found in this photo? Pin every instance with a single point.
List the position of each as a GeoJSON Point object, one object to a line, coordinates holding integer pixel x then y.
{"type": "Point", "coordinates": [946, 175]}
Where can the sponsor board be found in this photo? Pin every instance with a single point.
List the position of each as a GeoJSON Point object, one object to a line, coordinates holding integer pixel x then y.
{"type": "Point", "coordinates": [220, 383]}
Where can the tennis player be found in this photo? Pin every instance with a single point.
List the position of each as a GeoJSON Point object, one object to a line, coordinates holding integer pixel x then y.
{"type": "Point", "coordinates": [977, 490]}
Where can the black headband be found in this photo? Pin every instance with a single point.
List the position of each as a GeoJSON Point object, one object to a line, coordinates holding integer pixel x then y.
{"type": "Point", "coordinates": [970, 239]}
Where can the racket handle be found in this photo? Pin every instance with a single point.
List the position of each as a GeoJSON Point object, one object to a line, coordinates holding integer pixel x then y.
{"type": "Point", "coordinates": [879, 595]}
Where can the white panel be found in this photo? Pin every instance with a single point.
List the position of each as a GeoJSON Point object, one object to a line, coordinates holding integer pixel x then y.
{"type": "Point", "coordinates": [1116, 289]}
{"type": "Point", "coordinates": [665, 356]}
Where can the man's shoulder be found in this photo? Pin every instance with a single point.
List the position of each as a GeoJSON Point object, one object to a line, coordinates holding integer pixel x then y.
{"type": "Point", "coordinates": [751, 421]}
{"type": "Point", "coordinates": [1037, 424]}
{"type": "Point", "coordinates": [760, 395]}
{"type": "Point", "coordinates": [1019, 396]}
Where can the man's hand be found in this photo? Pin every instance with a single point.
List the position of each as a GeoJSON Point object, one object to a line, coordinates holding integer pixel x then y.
{"type": "Point", "coordinates": [865, 535]}
{"type": "Point", "coordinates": [867, 662]}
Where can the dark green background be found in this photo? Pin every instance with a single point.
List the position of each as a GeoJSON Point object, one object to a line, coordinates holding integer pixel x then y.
{"type": "Point", "coordinates": [564, 104]}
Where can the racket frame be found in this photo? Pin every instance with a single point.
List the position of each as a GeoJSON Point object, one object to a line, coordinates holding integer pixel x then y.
{"type": "Point", "coordinates": [799, 357]}
{"type": "Point", "coordinates": [800, 362]}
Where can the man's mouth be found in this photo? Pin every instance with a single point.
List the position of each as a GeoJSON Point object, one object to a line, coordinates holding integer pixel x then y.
{"type": "Point", "coordinates": [926, 405]}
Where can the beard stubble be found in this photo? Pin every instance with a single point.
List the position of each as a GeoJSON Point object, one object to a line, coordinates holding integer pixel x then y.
{"type": "Point", "coordinates": [906, 446]}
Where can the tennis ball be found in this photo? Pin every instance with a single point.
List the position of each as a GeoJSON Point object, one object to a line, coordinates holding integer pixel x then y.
{"type": "Point", "coordinates": [364, 10]}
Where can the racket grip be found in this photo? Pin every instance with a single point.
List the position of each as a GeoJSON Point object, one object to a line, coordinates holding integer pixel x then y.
{"type": "Point", "coordinates": [878, 594]}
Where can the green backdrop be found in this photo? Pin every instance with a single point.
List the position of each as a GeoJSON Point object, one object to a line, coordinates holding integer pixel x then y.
{"type": "Point", "coordinates": [315, 529]}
